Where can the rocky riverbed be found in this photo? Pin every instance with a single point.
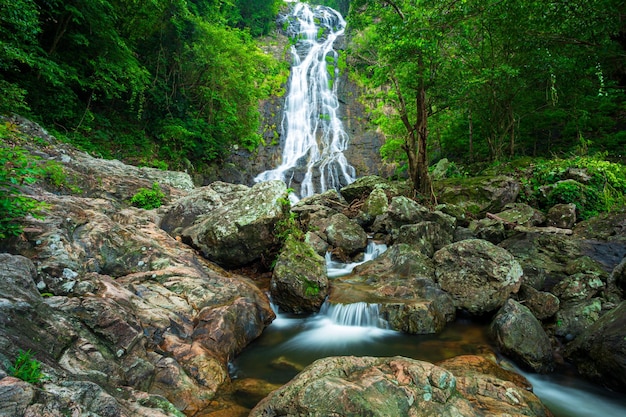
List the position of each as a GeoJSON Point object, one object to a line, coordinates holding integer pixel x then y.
{"type": "Point", "coordinates": [137, 312]}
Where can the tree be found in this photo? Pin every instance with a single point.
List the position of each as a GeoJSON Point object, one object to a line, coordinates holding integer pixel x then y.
{"type": "Point", "coordinates": [407, 46]}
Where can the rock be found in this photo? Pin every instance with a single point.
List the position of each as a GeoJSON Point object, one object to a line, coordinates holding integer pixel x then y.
{"type": "Point", "coordinates": [562, 216]}
{"type": "Point", "coordinates": [363, 186]}
{"type": "Point", "coordinates": [618, 276]}
{"type": "Point", "coordinates": [609, 227]}
{"type": "Point", "coordinates": [576, 316]}
{"type": "Point", "coordinates": [478, 194]}
{"type": "Point", "coordinates": [299, 282]}
{"type": "Point", "coordinates": [346, 235]}
{"type": "Point", "coordinates": [376, 202]}
{"type": "Point", "coordinates": [578, 287]}
{"type": "Point", "coordinates": [430, 236]}
{"type": "Point", "coordinates": [519, 334]}
{"type": "Point", "coordinates": [15, 396]}
{"type": "Point", "coordinates": [18, 280]}
{"type": "Point", "coordinates": [543, 257]}
{"type": "Point", "coordinates": [240, 231]}
{"type": "Point", "coordinates": [477, 375]}
{"type": "Point", "coordinates": [491, 230]}
{"type": "Point", "coordinates": [600, 351]}
{"type": "Point", "coordinates": [401, 282]}
{"type": "Point", "coordinates": [542, 304]}
{"type": "Point", "coordinates": [185, 211]}
{"type": "Point", "coordinates": [477, 274]}
{"type": "Point", "coordinates": [444, 169]}
{"type": "Point", "coordinates": [319, 245]}
{"type": "Point", "coordinates": [521, 214]}
{"type": "Point", "coordinates": [458, 212]}
{"type": "Point", "coordinates": [393, 387]}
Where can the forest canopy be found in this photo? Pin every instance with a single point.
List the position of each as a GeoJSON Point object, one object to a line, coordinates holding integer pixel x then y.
{"type": "Point", "coordinates": [493, 79]}
{"type": "Point", "coordinates": [163, 82]}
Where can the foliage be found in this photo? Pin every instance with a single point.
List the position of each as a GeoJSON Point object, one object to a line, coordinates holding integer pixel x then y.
{"type": "Point", "coordinates": [26, 368]}
{"type": "Point", "coordinates": [592, 183]}
{"type": "Point", "coordinates": [288, 225]}
{"type": "Point", "coordinates": [17, 167]}
{"type": "Point", "coordinates": [148, 198]}
{"type": "Point", "coordinates": [172, 80]}
{"type": "Point", "coordinates": [500, 78]}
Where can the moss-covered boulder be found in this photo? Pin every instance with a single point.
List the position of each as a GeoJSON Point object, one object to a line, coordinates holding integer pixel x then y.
{"type": "Point", "coordinates": [345, 234]}
{"type": "Point", "coordinates": [299, 283]}
{"type": "Point", "coordinates": [477, 274]}
{"type": "Point", "coordinates": [478, 194]}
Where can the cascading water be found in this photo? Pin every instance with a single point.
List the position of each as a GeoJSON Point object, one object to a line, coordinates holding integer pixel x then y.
{"type": "Point", "coordinates": [314, 137]}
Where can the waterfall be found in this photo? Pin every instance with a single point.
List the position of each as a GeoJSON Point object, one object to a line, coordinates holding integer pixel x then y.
{"type": "Point", "coordinates": [313, 135]}
{"type": "Point", "coordinates": [355, 314]}
{"type": "Point", "coordinates": [336, 269]}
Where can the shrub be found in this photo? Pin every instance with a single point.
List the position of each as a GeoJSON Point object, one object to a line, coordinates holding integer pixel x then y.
{"type": "Point", "coordinates": [603, 191]}
{"type": "Point", "coordinates": [148, 198]}
{"type": "Point", "coordinates": [17, 167]}
{"type": "Point", "coordinates": [26, 368]}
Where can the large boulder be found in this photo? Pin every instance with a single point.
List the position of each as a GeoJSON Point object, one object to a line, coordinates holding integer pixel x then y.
{"type": "Point", "coordinates": [185, 211]}
{"type": "Point", "coordinates": [478, 275]}
{"type": "Point", "coordinates": [299, 283]}
{"type": "Point", "coordinates": [345, 235]}
{"type": "Point", "coordinates": [396, 386]}
{"type": "Point", "coordinates": [519, 335]}
{"type": "Point", "coordinates": [478, 195]}
{"type": "Point", "coordinates": [600, 351]}
{"type": "Point", "coordinates": [242, 230]}
{"type": "Point", "coordinates": [401, 282]}
{"type": "Point", "coordinates": [363, 186]}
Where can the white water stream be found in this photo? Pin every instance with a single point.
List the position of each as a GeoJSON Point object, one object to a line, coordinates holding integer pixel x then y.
{"type": "Point", "coordinates": [314, 137]}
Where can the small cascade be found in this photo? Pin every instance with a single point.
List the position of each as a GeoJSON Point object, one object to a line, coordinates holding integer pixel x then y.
{"type": "Point", "coordinates": [355, 314]}
{"type": "Point", "coordinates": [314, 137]}
{"type": "Point", "coordinates": [336, 269]}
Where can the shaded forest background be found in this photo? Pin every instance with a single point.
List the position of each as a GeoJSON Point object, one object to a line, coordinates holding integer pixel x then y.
{"type": "Point", "coordinates": [176, 83]}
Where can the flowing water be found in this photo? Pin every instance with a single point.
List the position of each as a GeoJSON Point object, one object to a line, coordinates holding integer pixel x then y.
{"type": "Point", "coordinates": [292, 342]}
{"type": "Point", "coordinates": [313, 135]}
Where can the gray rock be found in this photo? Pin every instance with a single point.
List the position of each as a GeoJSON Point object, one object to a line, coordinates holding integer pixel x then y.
{"type": "Point", "coordinates": [477, 274]}
{"type": "Point", "coordinates": [363, 186]}
{"type": "Point", "coordinates": [542, 304]}
{"type": "Point", "coordinates": [562, 216]}
{"type": "Point", "coordinates": [574, 317]}
{"type": "Point", "coordinates": [519, 335]}
{"type": "Point", "coordinates": [240, 231]}
{"type": "Point", "coordinates": [345, 234]}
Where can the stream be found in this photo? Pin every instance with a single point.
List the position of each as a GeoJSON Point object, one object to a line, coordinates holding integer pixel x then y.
{"type": "Point", "coordinates": [292, 342]}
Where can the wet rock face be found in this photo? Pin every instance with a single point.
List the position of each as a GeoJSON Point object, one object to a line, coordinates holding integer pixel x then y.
{"type": "Point", "coordinates": [519, 335]}
{"type": "Point", "coordinates": [477, 274]}
{"type": "Point", "coordinates": [600, 351]}
{"type": "Point", "coordinates": [395, 387]}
